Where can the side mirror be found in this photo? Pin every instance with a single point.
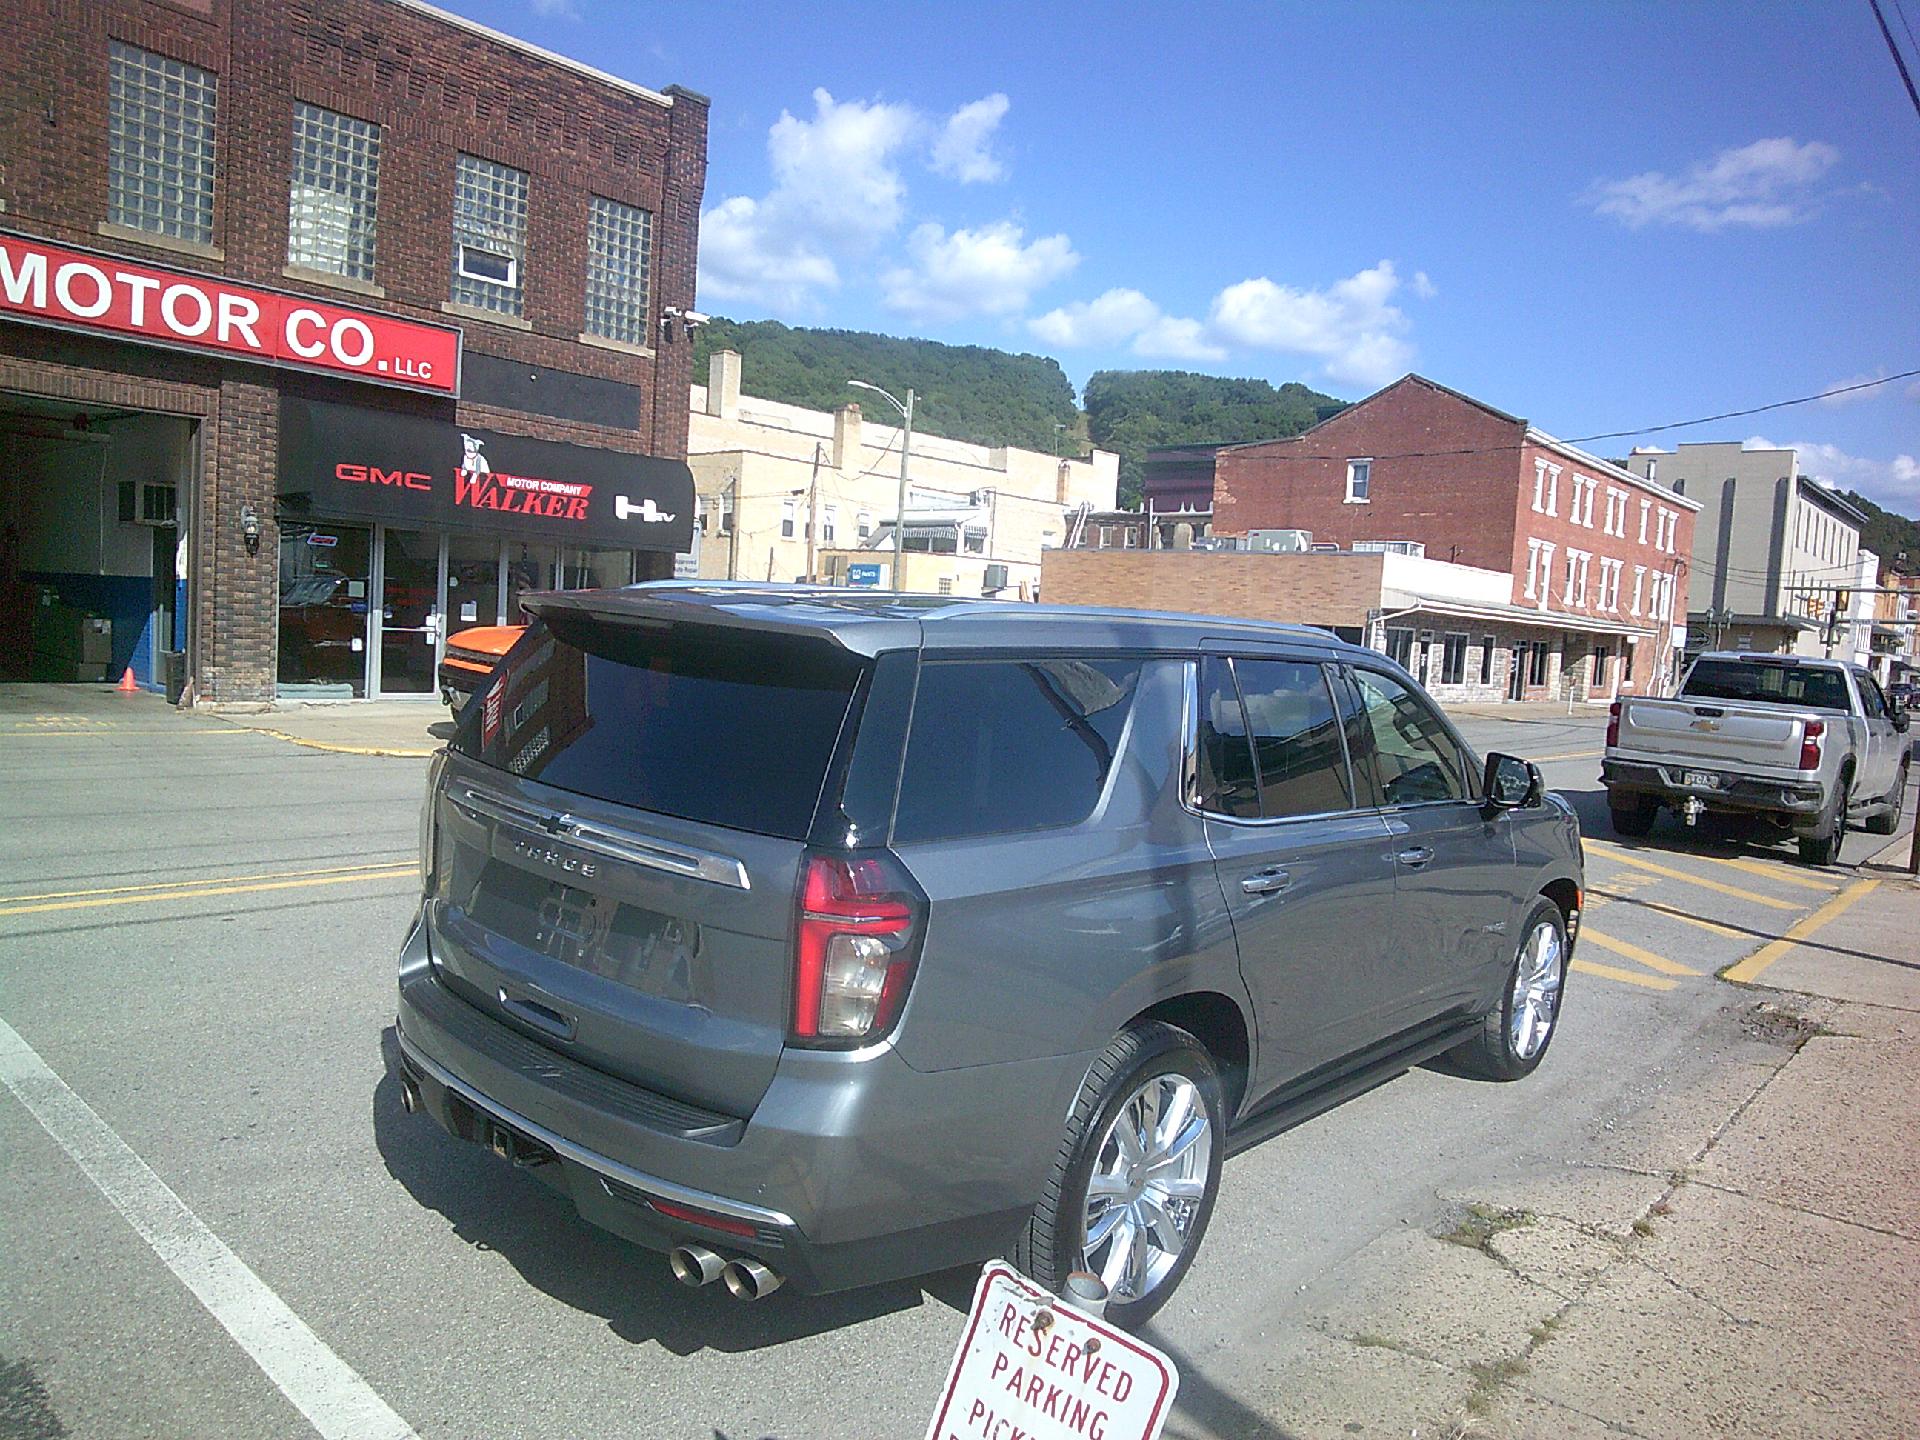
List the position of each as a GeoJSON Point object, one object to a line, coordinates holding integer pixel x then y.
{"type": "Point", "coordinates": [1898, 714]}
{"type": "Point", "coordinates": [1512, 783]}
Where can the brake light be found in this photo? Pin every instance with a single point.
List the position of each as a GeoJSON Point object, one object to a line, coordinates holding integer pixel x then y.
{"type": "Point", "coordinates": [1613, 724]}
{"type": "Point", "coordinates": [854, 948]}
{"type": "Point", "coordinates": [1810, 744]}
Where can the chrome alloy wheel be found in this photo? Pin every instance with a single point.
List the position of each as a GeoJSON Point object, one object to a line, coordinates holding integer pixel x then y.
{"type": "Point", "coordinates": [1536, 990]}
{"type": "Point", "coordinates": [1148, 1183]}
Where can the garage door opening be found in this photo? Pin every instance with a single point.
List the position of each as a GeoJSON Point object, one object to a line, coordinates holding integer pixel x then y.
{"type": "Point", "coordinates": [93, 500]}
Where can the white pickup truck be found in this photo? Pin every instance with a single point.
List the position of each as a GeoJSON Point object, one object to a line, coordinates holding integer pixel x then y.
{"type": "Point", "coordinates": [1809, 745]}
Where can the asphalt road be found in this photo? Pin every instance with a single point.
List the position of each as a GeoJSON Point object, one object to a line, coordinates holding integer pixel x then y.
{"type": "Point", "coordinates": [197, 932]}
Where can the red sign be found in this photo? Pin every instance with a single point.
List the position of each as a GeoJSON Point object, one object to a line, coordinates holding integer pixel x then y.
{"type": "Point", "coordinates": [84, 290]}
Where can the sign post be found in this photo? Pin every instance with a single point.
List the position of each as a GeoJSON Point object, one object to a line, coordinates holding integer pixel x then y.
{"type": "Point", "coordinates": [1030, 1365]}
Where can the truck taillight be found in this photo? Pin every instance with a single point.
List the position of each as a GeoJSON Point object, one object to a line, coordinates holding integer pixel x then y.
{"type": "Point", "coordinates": [1810, 744]}
{"type": "Point", "coordinates": [854, 948]}
{"type": "Point", "coordinates": [1613, 724]}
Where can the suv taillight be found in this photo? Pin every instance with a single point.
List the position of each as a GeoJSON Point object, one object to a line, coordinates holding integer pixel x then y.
{"type": "Point", "coordinates": [1810, 744]}
{"type": "Point", "coordinates": [854, 948]}
{"type": "Point", "coordinates": [1613, 724]}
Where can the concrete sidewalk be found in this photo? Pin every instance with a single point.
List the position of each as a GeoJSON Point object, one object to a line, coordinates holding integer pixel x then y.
{"type": "Point", "coordinates": [1739, 1257]}
{"type": "Point", "coordinates": [410, 729]}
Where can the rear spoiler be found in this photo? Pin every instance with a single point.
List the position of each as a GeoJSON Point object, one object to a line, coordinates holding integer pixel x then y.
{"type": "Point", "coordinates": [819, 615]}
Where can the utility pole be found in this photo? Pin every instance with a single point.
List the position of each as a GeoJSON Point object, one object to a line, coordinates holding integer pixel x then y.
{"type": "Point", "coordinates": [733, 530]}
{"type": "Point", "coordinates": [906, 445]}
{"type": "Point", "coordinates": [813, 498]}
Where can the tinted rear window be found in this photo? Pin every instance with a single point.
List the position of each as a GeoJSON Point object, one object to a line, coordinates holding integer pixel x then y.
{"type": "Point", "coordinates": [1741, 680]}
{"type": "Point", "coordinates": [693, 721]}
{"type": "Point", "coordinates": [1000, 746]}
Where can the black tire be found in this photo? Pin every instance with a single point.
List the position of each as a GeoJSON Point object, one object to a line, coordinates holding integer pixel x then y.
{"type": "Point", "coordinates": [1633, 819]}
{"type": "Point", "coordinates": [1887, 819]}
{"type": "Point", "coordinates": [1493, 1054]}
{"type": "Point", "coordinates": [1824, 848]}
{"type": "Point", "coordinates": [1051, 1246]}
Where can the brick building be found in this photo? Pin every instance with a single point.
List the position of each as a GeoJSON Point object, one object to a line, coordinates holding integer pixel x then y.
{"type": "Point", "coordinates": [326, 326]}
{"type": "Point", "coordinates": [1597, 557]}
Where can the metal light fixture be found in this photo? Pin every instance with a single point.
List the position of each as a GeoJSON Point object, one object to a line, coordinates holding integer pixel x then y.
{"type": "Point", "coordinates": [250, 529]}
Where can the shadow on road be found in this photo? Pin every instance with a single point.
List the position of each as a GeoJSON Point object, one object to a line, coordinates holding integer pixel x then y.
{"type": "Point", "coordinates": [539, 1233]}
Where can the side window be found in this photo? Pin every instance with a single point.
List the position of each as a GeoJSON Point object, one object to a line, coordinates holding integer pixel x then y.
{"type": "Point", "coordinates": [1296, 740]}
{"type": "Point", "coordinates": [1002, 746]}
{"type": "Point", "coordinates": [1871, 699]}
{"type": "Point", "coordinates": [1414, 759]}
{"type": "Point", "coordinates": [1229, 785]}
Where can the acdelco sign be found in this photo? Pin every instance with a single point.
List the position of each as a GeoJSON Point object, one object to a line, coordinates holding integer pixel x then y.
{"type": "Point", "coordinates": [83, 290]}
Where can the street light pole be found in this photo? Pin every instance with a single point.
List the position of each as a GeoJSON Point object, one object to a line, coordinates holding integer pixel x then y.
{"type": "Point", "coordinates": [900, 511]}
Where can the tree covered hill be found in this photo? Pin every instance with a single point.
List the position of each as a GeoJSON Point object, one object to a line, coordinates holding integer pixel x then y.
{"type": "Point", "coordinates": [1130, 411]}
{"type": "Point", "coordinates": [1887, 535]}
{"type": "Point", "coordinates": [964, 392]}
{"type": "Point", "coordinates": [995, 397]}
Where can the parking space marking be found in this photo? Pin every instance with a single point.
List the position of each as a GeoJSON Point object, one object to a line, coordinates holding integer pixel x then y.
{"type": "Point", "coordinates": [336, 1401]}
{"type": "Point", "coordinates": [1624, 857]}
{"type": "Point", "coordinates": [360, 869]}
{"type": "Point", "coordinates": [1672, 913]}
{"type": "Point", "coordinates": [1751, 968]}
{"type": "Point", "coordinates": [1625, 977]}
{"type": "Point", "coordinates": [191, 891]}
{"type": "Point", "coordinates": [1782, 873]}
{"type": "Point", "coordinates": [1635, 953]}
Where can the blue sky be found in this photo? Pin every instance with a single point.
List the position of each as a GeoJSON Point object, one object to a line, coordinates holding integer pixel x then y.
{"type": "Point", "coordinates": [1595, 216]}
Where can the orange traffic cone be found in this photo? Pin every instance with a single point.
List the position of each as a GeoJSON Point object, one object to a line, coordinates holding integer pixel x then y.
{"type": "Point", "coordinates": [128, 685]}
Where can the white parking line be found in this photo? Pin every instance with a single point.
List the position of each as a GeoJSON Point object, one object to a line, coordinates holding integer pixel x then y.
{"type": "Point", "coordinates": [323, 1387]}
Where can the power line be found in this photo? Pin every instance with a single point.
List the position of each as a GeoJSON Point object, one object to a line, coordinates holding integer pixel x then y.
{"type": "Point", "coordinates": [1894, 50]}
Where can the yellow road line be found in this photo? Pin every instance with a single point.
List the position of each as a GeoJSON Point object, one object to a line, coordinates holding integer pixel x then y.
{"type": "Point", "coordinates": [1773, 872]}
{"type": "Point", "coordinates": [210, 880]}
{"type": "Point", "coordinates": [1750, 968]}
{"type": "Point", "coordinates": [400, 753]}
{"type": "Point", "coordinates": [1635, 953]}
{"type": "Point", "coordinates": [1570, 755]}
{"type": "Point", "coordinates": [1666, 911]}
{"type": "Point", "coordinates": [105, 733]}
{"type": "Point", "coordinates": [1624, 857]}
{"type": "Point", "coordinates": [393, 874]}
{"type": "Point", "coordinates": [1625, 977]}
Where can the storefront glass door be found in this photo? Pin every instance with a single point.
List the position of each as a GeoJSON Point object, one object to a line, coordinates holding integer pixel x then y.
{"type": "Point", "coordinates": [409, 611]}
{"type": "Point", "coordinates": [326, 576]}
{"type": "Point", "coordinates": [473, 582]}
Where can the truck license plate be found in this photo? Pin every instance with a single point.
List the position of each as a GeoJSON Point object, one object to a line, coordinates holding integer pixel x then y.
{"type": "Point", "coordinates": [1700, 779]}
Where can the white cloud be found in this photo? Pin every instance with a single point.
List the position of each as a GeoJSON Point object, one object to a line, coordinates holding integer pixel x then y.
{"type": "Point", "coordinates": [837, 193]}
{"type": "Point", "coordinates": [1108, 319]}
{"type": "Point", "coordinates": [1853, 395]}
{"type": "Point", "coordinates": [555, 9]}
{"type": "Point", "coordinates": [961, 152]}
{"type": "Point", "coordinates": [993, 270]}
{"type": "Point", "coordinates": [1762, 185]}
{"type": "Point", "coordinates": [1351, 326]}
{"type": "Point", "coordinates": [1892, 484]}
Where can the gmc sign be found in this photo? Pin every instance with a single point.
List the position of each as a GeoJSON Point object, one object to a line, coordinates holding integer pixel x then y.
{"type": "Point", "coordinates": [374, 475]}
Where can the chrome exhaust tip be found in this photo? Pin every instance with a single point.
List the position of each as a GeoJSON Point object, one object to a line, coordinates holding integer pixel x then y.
{"type": "Point", "coordinates": [750, 1280]}
{"type": "Point", "coordinates": [409, 1097]}
{"type": "Point", "coordinates": [695, 1265]}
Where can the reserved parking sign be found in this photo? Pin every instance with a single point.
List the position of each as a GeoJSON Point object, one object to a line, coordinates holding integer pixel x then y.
{"type": "Point", "coordinates": [1032, 1368]}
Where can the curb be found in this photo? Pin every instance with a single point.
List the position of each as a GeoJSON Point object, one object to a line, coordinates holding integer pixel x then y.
{"type": "Point", "coordinates": [391, 752]}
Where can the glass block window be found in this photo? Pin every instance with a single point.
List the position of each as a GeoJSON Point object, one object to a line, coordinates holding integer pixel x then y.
{"type": "Point", "coordinates": [159, 144]}
{"type": "Point", "coordinates": [619, 251]}
{"type": "Point", "coordinates": [489, 235]}
{"type": "Point", "coordinates": [330, 208]}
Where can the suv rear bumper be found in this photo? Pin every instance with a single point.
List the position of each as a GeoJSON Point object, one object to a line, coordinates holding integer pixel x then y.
{"type": "Point", "coordinates": [854, 1169]}
{"type": "Point", "coordinates": [1748, 794]}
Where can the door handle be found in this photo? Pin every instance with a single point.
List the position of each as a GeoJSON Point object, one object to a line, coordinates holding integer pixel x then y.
{"type": "Point", "coordinates": [1414, 856]}
{"type": "Point", "coordinates": [1270, 881]}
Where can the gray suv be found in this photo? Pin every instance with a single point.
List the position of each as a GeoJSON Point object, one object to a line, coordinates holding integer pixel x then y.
{"type": "Point", "coordinates": [828, 938]}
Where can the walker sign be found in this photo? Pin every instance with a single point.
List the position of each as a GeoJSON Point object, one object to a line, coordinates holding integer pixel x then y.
{"type": "Point", "coordinates": [84, 290]}
{"type": "Point", "coordinates": [1030, 1368]}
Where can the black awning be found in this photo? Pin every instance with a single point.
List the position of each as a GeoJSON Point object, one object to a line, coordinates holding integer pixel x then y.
{"type": "Point", "coordinates": [354, 462]}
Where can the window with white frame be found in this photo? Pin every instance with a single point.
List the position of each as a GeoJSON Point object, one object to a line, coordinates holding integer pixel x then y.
{"type": "Point", "coordinates": [619, 262]}
{"type": "Point", "coordinates": [726, 514]}
{"type": "Point", "coordinates": [1547, 547]}
{"type": "Point", "coordinates": [1453, 659]}
{"type": "Point", "coordinates": [1617, 512]}
{"type": "Point", "coordinates": [332, 198]}
{"type": "Point", "coordinates": [160, 143]}
{"type": "Point", "coordinates": [1576, 590]}
{"type": "Point", "coordinates": [1645, 507]}
{"type": "Point", "coordinates": [1553, 489]}
{"type": "Point", "coordinates": [1533, 569]}
{"type": "Point", "coordinates": [1639, 587]}
{"type": "Point", "coordinates": [789, 518]}
{"type": "Point", "coordinates": [863, 524]}
{"type": "Point", "coordinates": [489, 235]}
{"type": "Point", "coordinates": [829, 518]}
{"type": "Point", "coordinates": [701, 508]}
{"type": "Point", "coordinates": [1540, 486]}
{"type": "Point", "coordinates": [1583, 493]}
{"type": "Point", "coordinates": [1359, 481]}
{"type": "Point", "coordinates": [1486, 659]}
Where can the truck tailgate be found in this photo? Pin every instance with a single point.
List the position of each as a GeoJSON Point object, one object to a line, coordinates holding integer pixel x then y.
{"type": "Point", "coordinates": [1712, 734]}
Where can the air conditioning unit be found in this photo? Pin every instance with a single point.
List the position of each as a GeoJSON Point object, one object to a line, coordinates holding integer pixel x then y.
{"type": "Point", "coordinates": [1280, 542]}
{"type": "Point", "coordinates": [144, 503]}
{"type": "Point", "coordinates": [995, 579]}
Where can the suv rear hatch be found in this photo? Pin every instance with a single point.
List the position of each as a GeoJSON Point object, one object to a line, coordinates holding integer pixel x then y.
{"type": "Point", "coordinates": [617, 839]}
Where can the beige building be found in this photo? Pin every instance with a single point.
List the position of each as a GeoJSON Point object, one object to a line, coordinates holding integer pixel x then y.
{"type": "Point", "coordinates": [787, 493]}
